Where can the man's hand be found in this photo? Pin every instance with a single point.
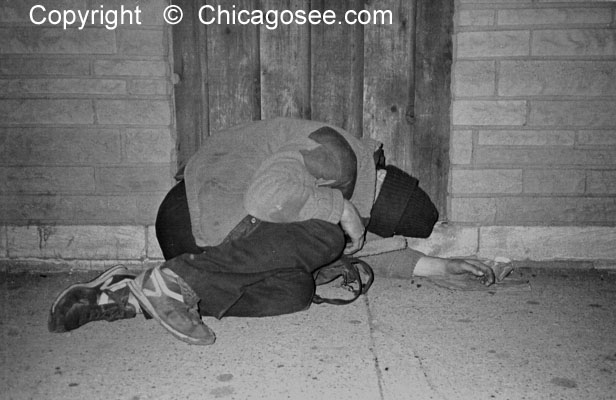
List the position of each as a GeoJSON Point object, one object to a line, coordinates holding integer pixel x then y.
{"type": "Point", "coordinates": [475, 267]}
{"type": "Point", "coordinates": [429, 266]}
{"type": "Point", "coordinates": [353, 227]}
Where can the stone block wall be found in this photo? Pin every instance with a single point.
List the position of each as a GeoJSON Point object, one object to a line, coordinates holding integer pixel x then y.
{"type": "Point", "coordinates": [533, 141]}
{"type": "Point", "coordinates": [86, 134]}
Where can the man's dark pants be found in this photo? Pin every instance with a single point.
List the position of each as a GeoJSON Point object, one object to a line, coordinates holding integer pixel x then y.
{"type": "Point", "coordinates": [260, 269]}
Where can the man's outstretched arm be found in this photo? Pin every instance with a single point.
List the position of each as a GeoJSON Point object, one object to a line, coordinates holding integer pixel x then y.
{"type": "Point", "coordinates": [430, 266]}
{"type": "Point", "coordinates": [353, 227]}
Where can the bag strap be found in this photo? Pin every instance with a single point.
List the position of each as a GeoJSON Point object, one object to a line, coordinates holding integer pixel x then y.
{"type": "Point", "coordinates": [349, 269]}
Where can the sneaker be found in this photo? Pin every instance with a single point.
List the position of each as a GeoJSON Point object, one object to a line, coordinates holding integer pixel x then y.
{"type": "Point", "coordinates": [170, 301]}
{"type": "Point", "coordinates": [105, 298]}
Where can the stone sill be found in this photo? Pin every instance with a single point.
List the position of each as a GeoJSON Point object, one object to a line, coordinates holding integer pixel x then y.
{"type": "Point", "coordinates": [51, 248]}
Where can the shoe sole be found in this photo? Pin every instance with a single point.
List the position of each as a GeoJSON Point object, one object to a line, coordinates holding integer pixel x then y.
{"type": "Point", "coordinates": [93, 283]}
{"type": "Point", "coordinates": [147, 305]}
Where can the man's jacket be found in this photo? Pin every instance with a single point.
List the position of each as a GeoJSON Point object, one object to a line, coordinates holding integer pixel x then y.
{"type": "Point", "coordinates": [280, 170]}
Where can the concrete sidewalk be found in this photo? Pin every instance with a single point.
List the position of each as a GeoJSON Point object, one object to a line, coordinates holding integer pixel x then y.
{"type": "Point", "coordinates": [408, 339]}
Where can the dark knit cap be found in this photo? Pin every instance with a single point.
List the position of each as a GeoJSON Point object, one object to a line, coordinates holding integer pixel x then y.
{"type": "Point", "coordinates": [402, 207]}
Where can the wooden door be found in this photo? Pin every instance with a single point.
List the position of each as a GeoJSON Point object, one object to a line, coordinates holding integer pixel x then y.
{"type": "Point", "coordinates": [386, 81]}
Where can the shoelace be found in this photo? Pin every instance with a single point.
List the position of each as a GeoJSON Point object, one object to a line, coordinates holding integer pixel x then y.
{"type": "Point", "coordinates": [107, 312]}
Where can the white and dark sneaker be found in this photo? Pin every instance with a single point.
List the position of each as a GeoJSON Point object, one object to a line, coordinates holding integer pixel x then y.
{"type": "Point", "coordinates": [105, 298]}
{"type": "Point", "coordinates": [171, 301]}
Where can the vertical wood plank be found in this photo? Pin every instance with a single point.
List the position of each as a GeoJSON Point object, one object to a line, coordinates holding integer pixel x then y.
{"type": "Point", "coordinates": [233, 69]}
{"type": "Point", "coordinates": [338, 68]}
{"type": "Point", "coordinates": [388, 97]}
{"type": "Point", "coordinates": [431, 134]}
{"type": "Point", "coordinates": [285, 64]}
{"type": "Point", "coordinates": [191, 107]}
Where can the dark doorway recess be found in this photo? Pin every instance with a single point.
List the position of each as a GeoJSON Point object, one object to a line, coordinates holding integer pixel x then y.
{"type": "Point", "coordinates": [387, 81]}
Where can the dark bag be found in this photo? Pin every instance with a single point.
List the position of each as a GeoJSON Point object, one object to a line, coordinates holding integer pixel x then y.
{"type": "Point", "coordinates": [351, 270]}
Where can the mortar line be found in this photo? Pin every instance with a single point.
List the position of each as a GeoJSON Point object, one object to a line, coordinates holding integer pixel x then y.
{"type": "Point", "coordinates": [146, 245]}
{"type": "Point", "coordinates": [478, 240]}
{"type": "Point", "coordinates": [5, 228]}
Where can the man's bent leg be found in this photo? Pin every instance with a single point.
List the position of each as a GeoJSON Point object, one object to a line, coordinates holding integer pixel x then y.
{"type": "Point", "coordinates": [173, 227]}
{"type": "Point", "coordinates": [168, 299]}
{"type": "Point", "coordinates": [285, 292]}
{"type": "Point", "coordinates": [266, 272]}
